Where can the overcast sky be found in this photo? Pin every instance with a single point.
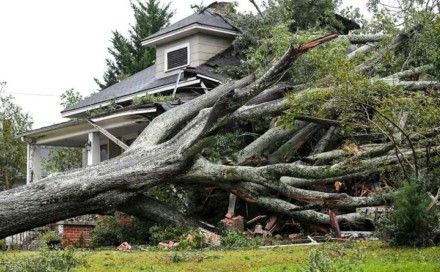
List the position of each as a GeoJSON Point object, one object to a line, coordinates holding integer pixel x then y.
{"type": "Point", "coordinates": [49, 46]}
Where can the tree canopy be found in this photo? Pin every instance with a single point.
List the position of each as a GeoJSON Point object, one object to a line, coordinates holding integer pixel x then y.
{"type": "Point", "coordinates": [128, 56]}
{"type": "Point", "coordinates": [13, 121]}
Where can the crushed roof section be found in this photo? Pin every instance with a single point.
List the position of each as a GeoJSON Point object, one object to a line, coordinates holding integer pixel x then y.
{"type": "Point", "coordinates": [205, 18]}
{"type": "Point", "coordinates": [213, 67]}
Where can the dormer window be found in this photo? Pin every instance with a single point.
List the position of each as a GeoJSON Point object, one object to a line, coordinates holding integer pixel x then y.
{"type": "Point", "coordinates": [177, 57]}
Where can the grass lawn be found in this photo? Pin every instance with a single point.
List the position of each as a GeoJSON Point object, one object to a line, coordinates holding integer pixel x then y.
{"type": "Point", "coordinates": [364, 256]}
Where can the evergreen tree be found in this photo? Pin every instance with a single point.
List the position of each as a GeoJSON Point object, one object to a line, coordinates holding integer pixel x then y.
{"type": "Point", "coordinates": [128, 54]}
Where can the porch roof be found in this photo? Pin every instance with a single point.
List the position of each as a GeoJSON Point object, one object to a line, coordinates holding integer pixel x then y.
{"type": "Point", "coordinates": [74, 133]}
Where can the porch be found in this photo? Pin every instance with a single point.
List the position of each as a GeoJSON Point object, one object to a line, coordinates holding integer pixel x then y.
{"type": "Point", "coordinates": [101, 138]}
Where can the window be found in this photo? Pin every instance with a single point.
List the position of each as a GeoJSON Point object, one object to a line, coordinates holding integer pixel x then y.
{"type": "Point", "coordinates": [177, 57]}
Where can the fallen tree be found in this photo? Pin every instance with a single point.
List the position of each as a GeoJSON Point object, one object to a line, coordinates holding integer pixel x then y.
{"type": "Point", "coordinates": [281, 169]}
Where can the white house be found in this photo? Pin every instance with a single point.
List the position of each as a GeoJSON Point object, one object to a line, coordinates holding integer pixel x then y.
{"type": "Point", "coordinates": [187, 54]}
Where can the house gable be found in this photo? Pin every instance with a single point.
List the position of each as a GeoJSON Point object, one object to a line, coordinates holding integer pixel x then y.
{"type": "Point", "coordinates": [200, 47]}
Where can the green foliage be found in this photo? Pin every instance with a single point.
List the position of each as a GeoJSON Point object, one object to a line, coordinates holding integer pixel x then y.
{"type": "Point", "coordinates": [293, 15]}
{"type": "Point", "coordinates": [47, 260]}
{"type": "Point", "coordinates": [346, 256]}
{"type": "Point", "coordinates": [355, 98]}
{"type": "Point", "coordinates": [237, 240]}
{"type": "Point", "coordinates": [70, 98]}
{"type": "Point", "coordinates": [112, 232]}
{"type": "Point", "coordinates": [164, 234]}
{"type": "Point", "coordinates": [223, 146]}
{"type": "Point", "coordinates": [49, 236]}
{"type": "Point", "coordinates": [108, 108]}
{"type": "Point", "coordinates": [255, 28]}
{"type": "Point", "coordinates": [410, 222]}
{"type": "Point", "coordinates": [128, 54]}
{"type": "Point", "coordinates": [152, 98]}
{"type": "Point", "coordinates": [420, 19]}
{"type": "Point", "coordinates": [433, 50]}
{"type": "Point", "coordinates": [61, 159]}
{"type": "Point", "coordinates": [13, 122]}
{"type": "Point", "coordinates": [310, 14]}
{"type": "Point", "coordinates": [193, 239]}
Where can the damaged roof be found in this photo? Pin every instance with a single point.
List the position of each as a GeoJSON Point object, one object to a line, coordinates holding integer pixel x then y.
{"type": "Point", "coordinates": [145, 80]}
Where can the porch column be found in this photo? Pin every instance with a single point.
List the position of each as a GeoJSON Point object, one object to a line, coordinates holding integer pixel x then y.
{"type": "Point", "coordinates": [33, 172]}
{"type": "Point", "coordinates": [94, 155]}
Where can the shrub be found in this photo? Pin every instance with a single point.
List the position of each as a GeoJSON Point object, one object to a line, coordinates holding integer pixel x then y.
{"type": "Point", "coordinates": [46, 260]}
{"type": "Point", "coordinates": [237, 240]}
{"type": "Point", "coordinates": [49, 236]}
{"type": "Point", "coordinates": [193, 239]}
{"type": "Point", "coordinates": [409, 222]}
{"type": "Point", "coordinates": [111, 232]}
{"type": "Point", "coordinates": [164, 234]}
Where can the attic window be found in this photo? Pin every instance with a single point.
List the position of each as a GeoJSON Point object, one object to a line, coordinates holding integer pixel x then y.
{"type": "Point", "coordinates": [177, 57]}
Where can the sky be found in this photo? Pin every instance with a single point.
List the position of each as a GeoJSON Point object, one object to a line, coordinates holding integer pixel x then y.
{"type": "Point", "coordinates": [50, 46]}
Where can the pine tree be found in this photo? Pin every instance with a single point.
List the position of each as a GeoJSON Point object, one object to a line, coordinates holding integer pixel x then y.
{"type": "Point", "coordinates": [128, 54]}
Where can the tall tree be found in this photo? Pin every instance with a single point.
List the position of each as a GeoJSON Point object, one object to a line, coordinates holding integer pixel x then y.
{"type": "Point", "coordinates": [128, 54]}
{"type": "Point", "coordinates": [12, 150]}
{"type": "Point", "coordinates": [62, 159]}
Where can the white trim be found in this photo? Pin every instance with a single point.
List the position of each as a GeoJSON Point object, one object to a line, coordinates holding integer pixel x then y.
{"type": "Point", "coordinates": [205, 89]}
{"type": "Point", "coordinates": [188, 82]}
{"type": "Point", "coordinates": [196, 27]}
{"type": "Point", "coordinates": [133, 112]}
{"type": "Point", "coordinates": [82, 131]}
{"type": "Point", "coordinates": [174, 49]}
{"type": "Point", "coordinates": [28, 163]}
{"type": "Point", "coordinates": [209, 78]}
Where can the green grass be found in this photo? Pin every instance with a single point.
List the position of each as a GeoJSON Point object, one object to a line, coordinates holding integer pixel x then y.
{"type": "Point", "coordinates": [371, 256]}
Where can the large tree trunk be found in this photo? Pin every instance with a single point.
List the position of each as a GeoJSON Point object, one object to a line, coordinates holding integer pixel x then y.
{"type": "Point", "coordinates": [168, 152]}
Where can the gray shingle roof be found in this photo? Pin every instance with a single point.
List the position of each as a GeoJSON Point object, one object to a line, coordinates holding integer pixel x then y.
{"type": "Point", "coordinates": [133, 84]}
{"type": "Point", "coordinates": [137, 83]}
{"type": "Point", "coordinates": [205, 18]}
{"type": "Point", "coordinates": [145, 80]}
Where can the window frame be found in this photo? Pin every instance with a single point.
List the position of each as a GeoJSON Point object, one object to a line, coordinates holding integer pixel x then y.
{"type": "Point", "coordinates": [174, 49]}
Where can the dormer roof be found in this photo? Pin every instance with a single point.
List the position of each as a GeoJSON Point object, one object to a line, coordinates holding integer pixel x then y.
{"type": "Point", "coordinates": [205, 22]}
